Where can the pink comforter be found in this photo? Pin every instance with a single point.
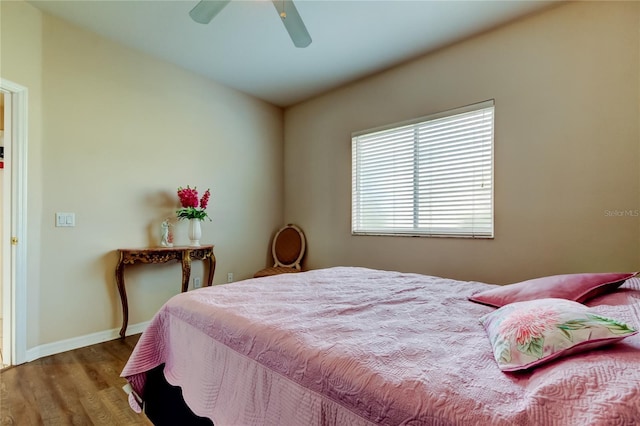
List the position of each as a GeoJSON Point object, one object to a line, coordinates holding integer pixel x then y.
{"type": "Point", "coordinates": [355, 346]}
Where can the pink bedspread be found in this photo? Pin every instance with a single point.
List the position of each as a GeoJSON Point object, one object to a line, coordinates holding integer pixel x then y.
{"type": "Point", "coordinates": [355, 346]}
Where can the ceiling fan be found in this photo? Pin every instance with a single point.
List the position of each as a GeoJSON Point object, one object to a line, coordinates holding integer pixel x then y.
{"type": "Point", "coordinates": [206, 10]}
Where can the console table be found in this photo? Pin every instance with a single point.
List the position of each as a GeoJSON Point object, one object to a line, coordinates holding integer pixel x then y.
{"type": "Point", "coordinates": [183, 254]}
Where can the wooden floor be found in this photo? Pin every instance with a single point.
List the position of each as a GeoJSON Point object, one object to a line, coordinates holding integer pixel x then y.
{"type": "Point", "coordinates": [79, 387]}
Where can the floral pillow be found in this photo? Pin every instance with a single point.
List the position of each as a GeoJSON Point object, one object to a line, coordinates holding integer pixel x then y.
{"type": "Point", "coordinates": [526, 334]}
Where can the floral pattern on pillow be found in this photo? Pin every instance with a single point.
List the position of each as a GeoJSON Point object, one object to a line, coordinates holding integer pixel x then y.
{"type": "Point", "coordinates": [526, 334]}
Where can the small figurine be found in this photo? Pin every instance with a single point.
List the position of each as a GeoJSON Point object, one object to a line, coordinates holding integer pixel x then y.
{"type": "Point", "coordinates": [167, 236]}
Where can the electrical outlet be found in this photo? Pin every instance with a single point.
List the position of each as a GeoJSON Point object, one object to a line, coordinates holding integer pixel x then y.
{"type": "Point", "coordinates": [197, 282]}
{"type": "Point", "coordinates": [230, 277]}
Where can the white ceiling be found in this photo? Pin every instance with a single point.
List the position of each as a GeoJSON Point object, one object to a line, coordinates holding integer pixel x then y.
{"type": "Point", "coordinates": [246, 46]}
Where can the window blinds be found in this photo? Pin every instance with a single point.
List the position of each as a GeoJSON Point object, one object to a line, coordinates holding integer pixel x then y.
{"type": "Point", "coordinates": [429, 177]}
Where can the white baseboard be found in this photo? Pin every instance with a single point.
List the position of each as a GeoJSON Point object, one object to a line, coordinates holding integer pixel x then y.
{"type": "Point", "coordinates": [82, 341]}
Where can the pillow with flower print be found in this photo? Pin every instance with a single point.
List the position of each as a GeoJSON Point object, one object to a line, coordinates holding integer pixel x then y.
{"type": "Point", "coordinates": [526, 334]}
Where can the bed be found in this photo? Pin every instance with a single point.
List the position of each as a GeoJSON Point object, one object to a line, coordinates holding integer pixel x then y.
{"type": "Point", "coordinates": [358, 346]}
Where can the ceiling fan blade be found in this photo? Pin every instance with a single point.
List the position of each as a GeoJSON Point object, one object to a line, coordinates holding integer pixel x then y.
{"type": "Point", "coordinates": [205, 10]}
{"type": "Point", "coordinates": [293, 22]}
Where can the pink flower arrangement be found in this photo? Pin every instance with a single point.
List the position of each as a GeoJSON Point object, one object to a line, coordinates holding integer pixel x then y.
{"type": "Point", "coordinates": [192, 207]}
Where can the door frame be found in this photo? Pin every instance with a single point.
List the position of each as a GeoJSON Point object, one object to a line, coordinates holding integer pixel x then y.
{"type": "Point", "coordinates": [14, 244]}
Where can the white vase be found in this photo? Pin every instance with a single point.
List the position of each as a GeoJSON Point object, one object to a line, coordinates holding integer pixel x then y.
{"type": "Point", "coordinates": [195, 232]}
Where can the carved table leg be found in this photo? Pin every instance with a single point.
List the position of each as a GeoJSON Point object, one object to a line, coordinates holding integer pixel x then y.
{"type": "Point", "coordinates": [186, 270]}
{"type": "Point", "coordinates": [212, 268]}
{"type": "Point", "coordinates": [123, 296]}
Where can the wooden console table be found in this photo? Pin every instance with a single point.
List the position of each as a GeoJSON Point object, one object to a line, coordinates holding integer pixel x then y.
{"type": "Point", "coordinates": [182, 254]}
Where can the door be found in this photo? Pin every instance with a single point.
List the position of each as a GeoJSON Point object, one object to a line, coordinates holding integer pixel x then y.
{"type": "Point", "coordinates": [13, 224]}
{"type": "Point", "coordinates": [5, 229]}
{"type": "Point", "coordinates": [5, 336]}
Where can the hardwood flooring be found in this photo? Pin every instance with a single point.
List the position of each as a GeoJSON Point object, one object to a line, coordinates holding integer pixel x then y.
{"type": "Point", "coordinates": [79, 387]}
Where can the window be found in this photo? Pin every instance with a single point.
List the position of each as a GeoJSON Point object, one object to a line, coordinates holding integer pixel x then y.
{"type": "Point", "coordinates": [428, 177]}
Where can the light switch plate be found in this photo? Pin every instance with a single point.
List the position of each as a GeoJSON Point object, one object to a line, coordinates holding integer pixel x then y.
{"type": "Point", "coordinates": [65, 219]}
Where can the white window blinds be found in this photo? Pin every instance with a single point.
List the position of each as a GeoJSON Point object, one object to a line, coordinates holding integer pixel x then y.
{"type": "Point", "coordinates": [429, 177]}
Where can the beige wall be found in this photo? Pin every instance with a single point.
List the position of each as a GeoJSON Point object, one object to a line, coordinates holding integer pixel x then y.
{"type": "Point", "coordinates": [118, 133]}
{"type": "Point", "coordinates": [565, 84]}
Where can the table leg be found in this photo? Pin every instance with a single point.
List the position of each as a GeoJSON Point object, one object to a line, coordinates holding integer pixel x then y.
{"type": "Point", "coordinates": [212, 269]}
{"type": "Point", "coordinates": [123, 296]}
{"type": "Point", "coordinates": [186, 270]}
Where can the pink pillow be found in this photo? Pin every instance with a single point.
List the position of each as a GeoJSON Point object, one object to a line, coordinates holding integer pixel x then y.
{"type": "Point", "coordinates": [577, 287]}
{"type": "Point", "coordinates": [526, 334]}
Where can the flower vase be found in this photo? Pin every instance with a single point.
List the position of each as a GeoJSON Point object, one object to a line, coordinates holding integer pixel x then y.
{"type": "Point", "coordinates": [195, 232]}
